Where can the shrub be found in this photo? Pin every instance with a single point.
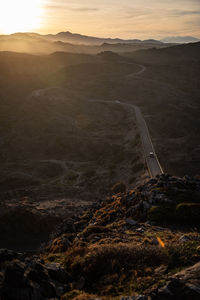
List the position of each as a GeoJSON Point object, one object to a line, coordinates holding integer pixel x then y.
{"type": "Point", "coordinates": [161, 214]}
{"type": "Point", "coordinates": [183, 213]}
{"type": "Point", "coordinates": [94, 229]}
{"type": "Point", "coordinates": [100, 260]}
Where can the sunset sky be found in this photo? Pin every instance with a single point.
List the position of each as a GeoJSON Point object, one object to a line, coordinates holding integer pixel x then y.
{"type": "Point", "coordinates": [103, 18]}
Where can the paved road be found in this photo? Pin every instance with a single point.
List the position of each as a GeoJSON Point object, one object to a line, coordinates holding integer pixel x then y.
{"type": "Point", "coordinates": [153, 164]}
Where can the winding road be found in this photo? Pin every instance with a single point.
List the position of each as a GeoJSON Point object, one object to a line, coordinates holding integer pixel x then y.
{"type": "Point", "coordinates": [152, 161]}
{"type": "Point", "coordinates": [153, 164]}
{"type": "Point", "coordinates": [142, 70]}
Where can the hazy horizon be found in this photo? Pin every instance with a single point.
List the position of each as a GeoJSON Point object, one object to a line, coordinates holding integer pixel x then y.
{"type": "Point", "coordinates": [151, 19]}
{"type": "Point", "coordinates": [103, 37]}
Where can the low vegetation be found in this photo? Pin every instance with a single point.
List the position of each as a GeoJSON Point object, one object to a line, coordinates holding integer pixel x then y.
{"type": "Point", "coordinates": [117, 251]}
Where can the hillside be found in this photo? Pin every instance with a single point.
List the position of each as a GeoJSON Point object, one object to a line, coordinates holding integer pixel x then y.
{"type": "Point", "coordinates": [143, 243]}
{"type": "Point", "coordinates": [173, 77]}
{"type": "Point", "coordinates": [60, 152]}
{"type": "Point", "coordinates": [168, 93]}
{"type": "Point", "coordinates": [67, 42]}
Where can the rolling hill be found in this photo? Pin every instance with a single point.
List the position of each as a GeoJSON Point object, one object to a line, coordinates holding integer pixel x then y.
{"type": "Point", "coordinates": [68, 42]}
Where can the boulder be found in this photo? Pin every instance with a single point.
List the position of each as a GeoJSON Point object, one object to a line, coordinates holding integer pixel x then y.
{"type": "Point", "coordinates": [57, 273]}
{"type": "Point", "coordinates": [131, 222]}
{"type": "Point", "coordinates": [184, 285]}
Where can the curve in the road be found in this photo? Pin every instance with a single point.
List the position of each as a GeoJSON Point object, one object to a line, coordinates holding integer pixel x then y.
{"type": "Point", "coordinates": [142, 70]}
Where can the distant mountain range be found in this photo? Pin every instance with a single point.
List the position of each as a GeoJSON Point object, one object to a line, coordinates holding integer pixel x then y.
{"type": "Point", "coordinates": [180, 39]}
{"type": "Point", "coordinates": [35, 43]}
{"type": "Point", "coordinates": [78, 39]}
{"type": "Point", "coordinates": [70, 42]}
{"type": "Point", "coordinates": [83, 39]}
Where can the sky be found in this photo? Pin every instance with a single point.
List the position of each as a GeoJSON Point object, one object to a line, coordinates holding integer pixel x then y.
{"type": "Point", "coordinates": [111, 18]}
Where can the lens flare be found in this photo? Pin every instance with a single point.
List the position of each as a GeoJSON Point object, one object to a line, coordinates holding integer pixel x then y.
{"type": "Point", "coordinates": [161, 243]}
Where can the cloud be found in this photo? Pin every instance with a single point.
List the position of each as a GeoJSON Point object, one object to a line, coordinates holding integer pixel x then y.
{"type": "Point", "coordinates": [177, 12]}
{"type": "Point", "coordinates": [148, 18]}
{"type": "Point", "coordinates": [52, 5]}
{"type": "Point", "coordinates": [84, 9]}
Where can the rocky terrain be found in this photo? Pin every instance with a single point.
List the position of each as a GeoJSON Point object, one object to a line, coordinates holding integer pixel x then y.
{"type": "Point", "coordinates": [142, 243]}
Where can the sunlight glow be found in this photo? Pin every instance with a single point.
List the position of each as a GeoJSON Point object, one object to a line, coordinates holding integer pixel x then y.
{"type": "Point", "coordinates": [20, 15]}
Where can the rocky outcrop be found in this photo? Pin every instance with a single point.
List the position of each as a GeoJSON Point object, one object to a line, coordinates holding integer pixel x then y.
{"type": "Point", "coordinates": [114, 245]}
{"type": "Point", "coordinates": [184, 285]}
{"type": "Point", "coordinates": [28, 278]}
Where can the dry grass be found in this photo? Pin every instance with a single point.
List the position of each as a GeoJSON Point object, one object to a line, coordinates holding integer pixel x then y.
{"type": "Point", "coordinates": [96, 261]}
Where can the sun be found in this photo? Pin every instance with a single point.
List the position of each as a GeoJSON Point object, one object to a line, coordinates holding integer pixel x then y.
{"type": "Point", "coordinates": [20, 15]}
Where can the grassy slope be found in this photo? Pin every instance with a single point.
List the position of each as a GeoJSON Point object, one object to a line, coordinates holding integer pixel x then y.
{"type": "Point", "coordinates": [116, 258]}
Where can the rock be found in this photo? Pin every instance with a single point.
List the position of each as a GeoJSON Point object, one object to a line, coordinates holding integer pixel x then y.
{"type": "Point", "coordinates": [57, 273]}
{"type": "Point", "coordinates": [160, 184]}
{"type": "Point", "coordinates": [161, 270]}
{"type": "Point", "coordinates": [15, 286]}
{"type": "Point", "coordinates": [141, 297]}
{"type": "Point", "coordinates": [184, 285]}
{"type": "Point", "coordinates": [152, 181]}
{"type": "Point", "coordinates": [140, 230]}
{"type": "Point", "coordinates": [164, 292]}
{"type": "Point", "coordinates": [131, 222]}
{"type": "Point", "coordinates": [195, 288]}
{"type": "Point", "coordinates": [184, 238]}
{"type": "Point", "coordinates": [37, 273]}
